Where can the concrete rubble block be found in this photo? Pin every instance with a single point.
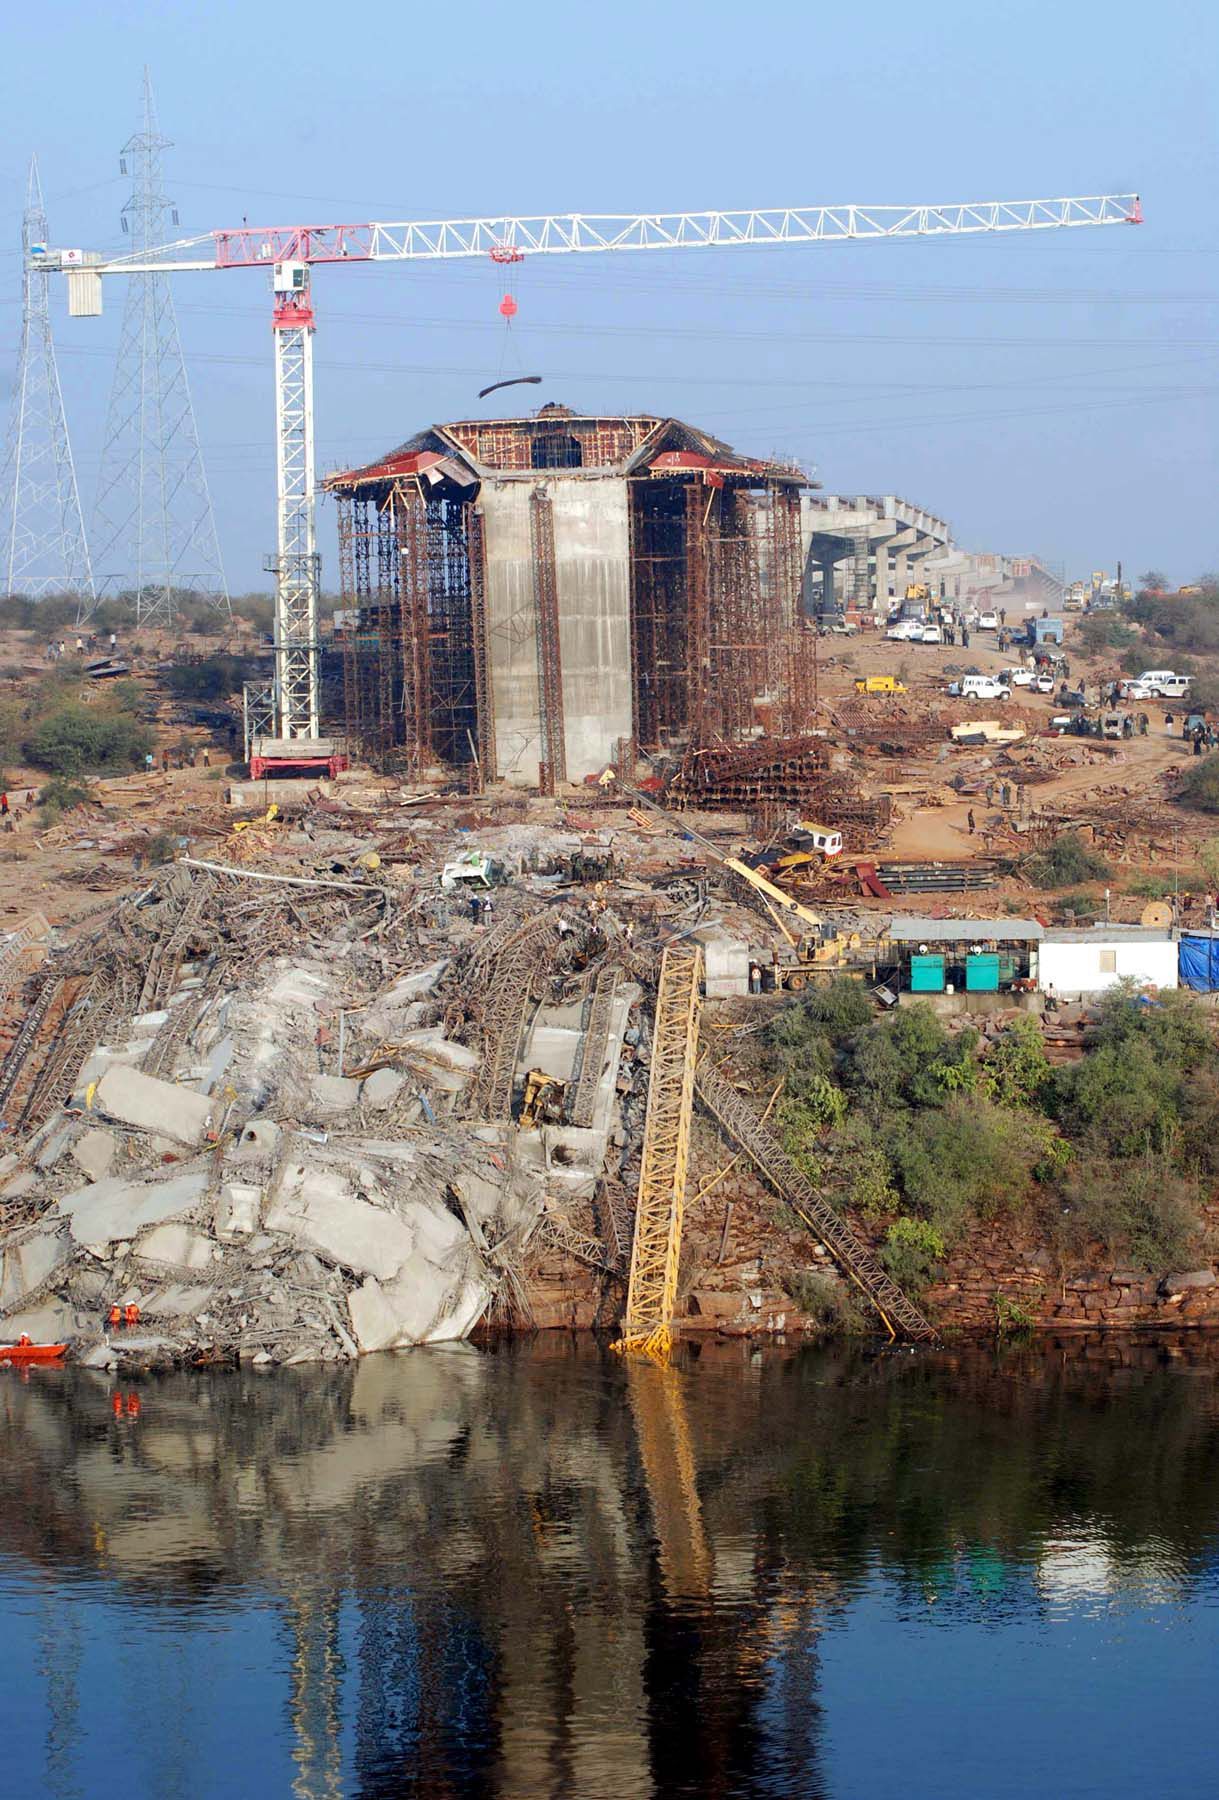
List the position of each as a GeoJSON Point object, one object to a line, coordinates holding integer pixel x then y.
{"type": "Point", "coordinates": [459, 1057]}
{"type": "Point", "coordinates": [418, 1307]}
{"type": "Point", "coordinates": [333, 1093]}
{"type": "Point", "coordinates": [94, 1151]}
{"type": "Point", "coordinates": [381, 1088]}
{"type": "Point", "coordinates": [178, 1302]}
{"type": "Point", "coordinates": [297, 987]}
{"type": "Point", "coordinates": [1190, 1278]}
{"type": "Point", "coordinates": [54, 1322]}
{"type": "Point", "coordinates": [316, 1208]}
{"type": "Point", "coordinates": [56, 1146]}
{"type": "Point", "coordinates": [237, 1211]}
{"type": "Point", "coordinates": [115, 1209]}
{"type": "Point", "coordinates": [261, 1137]}
{"type": "Point", "coordinates": [146, 1104]}
{"type": "Point", "coordinates": [176, 1245]}
{"type": "Point", "coordinates": [23, 1183]}
{"type": "Point", "coordinates": [29, 1263]}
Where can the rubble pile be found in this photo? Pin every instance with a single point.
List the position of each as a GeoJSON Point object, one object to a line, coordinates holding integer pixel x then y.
{"type": "Point", "coordinates": [267, 1102]}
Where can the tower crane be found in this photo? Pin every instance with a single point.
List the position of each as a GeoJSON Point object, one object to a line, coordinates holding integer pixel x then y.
{"type": "Point", "coordinates": [290, 252]}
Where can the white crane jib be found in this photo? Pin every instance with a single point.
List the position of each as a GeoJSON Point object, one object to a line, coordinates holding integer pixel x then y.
{"type": "Point", "coordinates": [289, 252]}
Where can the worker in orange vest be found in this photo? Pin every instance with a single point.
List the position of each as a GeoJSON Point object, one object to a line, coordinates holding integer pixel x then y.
{"type": "Point", "coordinates": [114, 1318]}
{"type": "Point", "coordinates": [131, 1315]}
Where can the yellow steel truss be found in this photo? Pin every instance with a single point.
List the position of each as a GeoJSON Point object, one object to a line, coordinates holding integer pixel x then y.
{"type": "Point", "coordinates": [656, 1250]}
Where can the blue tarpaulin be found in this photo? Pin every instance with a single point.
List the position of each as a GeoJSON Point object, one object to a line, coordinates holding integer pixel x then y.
{"type": "Point", "coordinates": [1198, 962]}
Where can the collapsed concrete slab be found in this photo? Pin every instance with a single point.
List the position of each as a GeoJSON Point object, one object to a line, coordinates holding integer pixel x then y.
{"type": "Point", "coordinates": [146, 1104]}
{"type": "Point", "coordinates": [417, 1307]}
{"type": "Point", "coordinates": [318, 1209]}
{"type": "Point", "coordinates": [112, 1210]}
{"type": "Point", "coordinates": [94, 1151]}
{"type": "Point", "coordinates": [237, 1211]}
{"type": "Point", "coordinates": [176, 1245]}
{"type": "Point", "coordinates": [29, 1264]}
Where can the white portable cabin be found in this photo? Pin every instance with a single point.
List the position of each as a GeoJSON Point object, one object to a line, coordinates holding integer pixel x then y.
{"type": "Point", "coordinates": [1090, 959]}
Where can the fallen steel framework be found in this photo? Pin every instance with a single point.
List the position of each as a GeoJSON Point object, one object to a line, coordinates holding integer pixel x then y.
{"type": "Point", "coordinates": [656, 1250]}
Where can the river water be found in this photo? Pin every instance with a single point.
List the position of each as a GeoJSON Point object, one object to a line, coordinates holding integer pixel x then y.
{"type": "Point", "coordinates": [531, 1570]}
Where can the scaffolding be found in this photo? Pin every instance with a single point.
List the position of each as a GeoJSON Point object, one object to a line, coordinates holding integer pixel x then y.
{"type": "Point", "coordinates": [656, 1250]}
{"type": "Point", "coordinates": [416, 689]}
{"type": "Point", "coordinates": [552, 761]}
{"type": "Point", "coordinates": [437, 593]}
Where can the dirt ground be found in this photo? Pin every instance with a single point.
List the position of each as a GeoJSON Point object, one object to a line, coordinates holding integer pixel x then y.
{"type": "Point", "coordinates": [67, 869]}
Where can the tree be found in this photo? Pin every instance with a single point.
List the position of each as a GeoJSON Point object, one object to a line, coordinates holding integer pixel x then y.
{"type": "Point", "coordinates": [1065, 862]}
{"type": "Point", "coordinates": [1200, 788]}
{"type": "Point", "coordinates": [1153, 581]}
{"type": "Point", "coordinates": [75, 739]}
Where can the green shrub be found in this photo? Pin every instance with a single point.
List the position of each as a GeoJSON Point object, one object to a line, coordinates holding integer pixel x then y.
{"type": "Point", "coordinates": [911, 1252]}
{"type": "Point", "coordinates": [60, 796]}
{"type": "Point", "coordinates": [970, 1160]}
{"type": "Point", "coordinates": [843, 1006]}
{"type": "Point", "coordinates": [75, 739]}
{"type": "Point", "coordinates": [1150, 887]}
{"type": "Point", "coordinates": [1066, 861]}
{"type": "Point", "coordinates": [1017, 1069]}
{"type": "Point", "coordinates": [1143, 1211]}
{"type": "Point", "coordinates": [829, 1302]}
{"type": "Point", "coordinates": [1012, 1317]}
{"type": "Point", "coordinates": [860, 1164]}
{"type": "Point", "coordinates": [161, 847]}
{"type": "Point", "coordinates": [1200, 788]}
{"type": "Point", "coordinates": [909, 1060]}
{"type": "Point", "coordinates": [215, 678]}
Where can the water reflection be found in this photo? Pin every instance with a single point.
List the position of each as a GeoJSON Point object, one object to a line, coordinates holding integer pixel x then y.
{"type": "Point", "coordinates": [532, 1570]}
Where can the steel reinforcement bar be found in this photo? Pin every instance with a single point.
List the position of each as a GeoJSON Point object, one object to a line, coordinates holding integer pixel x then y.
{"type": "Point", "coordinates": [741, 1123]}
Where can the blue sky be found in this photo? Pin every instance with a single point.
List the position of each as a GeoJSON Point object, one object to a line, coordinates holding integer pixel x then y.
{"type": "Point", "coordinates": [1053, 393]}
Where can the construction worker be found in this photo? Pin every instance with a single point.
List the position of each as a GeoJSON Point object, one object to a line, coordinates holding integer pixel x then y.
{"type": "Point", "coordinates": [114, 1318]}
{"type": "Point", "coordinates": [131, 1315]}
{"type": "Point", "coordinates": [971, 821]}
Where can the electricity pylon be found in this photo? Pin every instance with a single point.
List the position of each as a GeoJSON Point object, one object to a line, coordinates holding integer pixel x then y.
{"type": "Point", "coordinates": [153, 527]}
{"type": "Point", "coordinates": [44, 550]}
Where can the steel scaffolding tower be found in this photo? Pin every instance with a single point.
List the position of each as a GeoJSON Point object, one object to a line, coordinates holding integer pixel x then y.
{"type": "Point", "coordinates": [45, 551]}
{"type": "Point", "coordinates": [153, 522]}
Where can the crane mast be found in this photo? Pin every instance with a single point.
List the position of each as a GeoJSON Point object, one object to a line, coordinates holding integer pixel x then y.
{"type": "Point", "coordinates": [290, 251]}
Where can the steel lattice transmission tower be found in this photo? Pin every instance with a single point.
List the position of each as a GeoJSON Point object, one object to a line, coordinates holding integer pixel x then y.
{"type": "Point", "coordinates": [153, 528]}
{"type": "Point", "coordinates": [45, 551]}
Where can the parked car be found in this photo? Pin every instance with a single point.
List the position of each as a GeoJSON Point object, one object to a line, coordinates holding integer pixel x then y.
{"type": "Point", "coordinates": [905, 629]}
{"type": "Point", "coordinates": [844, 628]}
{"type": "Point", "coordinates": [930, 634]}
{"type": "Point", "coordinates": [1072, 697]}
{"type": "Point", "coordinates": [988, 621]}
{"type": "Point", "coordinates": [1017, 677]}
{"type": "Point", "coordinates": [1044, 684]}
{"type": "Point", "coordinates": [978, 687]}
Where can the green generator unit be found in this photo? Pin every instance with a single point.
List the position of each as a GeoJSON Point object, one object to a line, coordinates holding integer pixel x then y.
{"type": "Point", "coordinates": [926, 974]}
{"type": "Point", "coordinates": [982, 974]}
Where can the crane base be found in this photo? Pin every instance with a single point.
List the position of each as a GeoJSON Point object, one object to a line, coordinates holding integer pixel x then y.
{"type": "Point", "coordinates": [272, 757]}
